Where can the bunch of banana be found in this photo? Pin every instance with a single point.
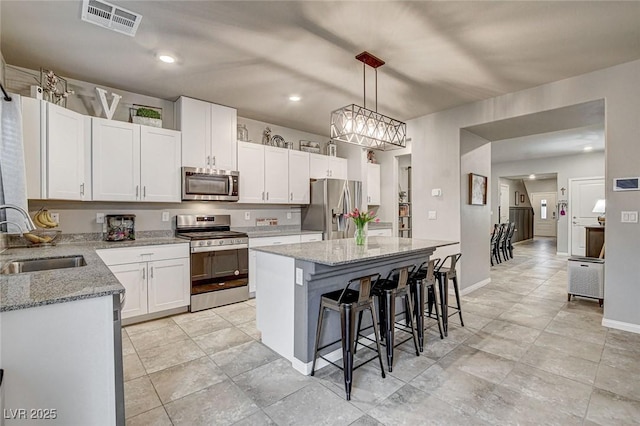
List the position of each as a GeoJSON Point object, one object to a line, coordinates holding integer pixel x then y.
{"type": "Point", "coordinates": [37, 239]}
{"type": "Point", "coordinates": [43, 219]}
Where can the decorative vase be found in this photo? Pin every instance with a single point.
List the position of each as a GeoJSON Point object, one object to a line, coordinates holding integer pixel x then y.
{"type": "Point", "coordinates": [360, 235]}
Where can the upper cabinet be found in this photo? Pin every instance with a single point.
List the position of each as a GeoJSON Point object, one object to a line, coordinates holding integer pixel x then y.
{"type": "Point", "coordinates": [208, 134]}
{"type": "Point", "coordinates": [373, 184]}
{"type": "Point", "coordinates": [299, 188]}
{"type": "Point", "coordinates": [264, 174]}
{"type": "Point", "coordinates": [135, 163]}
{"type": "Point", "coordinates": [324, 166]}
{"type": "Point", "coordinates": [63, 154]}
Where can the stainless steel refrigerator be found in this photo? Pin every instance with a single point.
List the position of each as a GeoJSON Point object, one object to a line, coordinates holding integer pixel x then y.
{"type": "Point", "coordinates": [331, 201]}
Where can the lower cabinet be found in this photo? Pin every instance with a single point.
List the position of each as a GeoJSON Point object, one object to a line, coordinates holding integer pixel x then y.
{"type": "Point", "coordinates": [155, 278]}
{"type": "Point", "coordinates": [273, 241]}
{"type": "Point", "coordinates": [379, 232]}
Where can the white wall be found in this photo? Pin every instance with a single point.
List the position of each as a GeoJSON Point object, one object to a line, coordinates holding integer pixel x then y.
{"type": "Point", "coordinates": [568, 167]}
{"type": "Point", "coordinates": [436, 163]}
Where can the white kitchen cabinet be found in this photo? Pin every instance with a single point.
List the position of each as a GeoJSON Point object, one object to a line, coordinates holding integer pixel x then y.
{"type": "Point", "coordinates": [273, 241]}
{"type": "Point", "coordinates": [156, 278]}
{"type": "Point", "coordinates": [324, 166]}
{"type": "Point", "coordinates": [209, 134]}
{"type": "Point", "coordinates": [373, 184]}
{"type": "Point", "coordinates": [135, 163]}
{"type": "Point", "coordinates": [379, 232]}
{"type": "Point", "coordinates": [299, 189]}
{"type": "Point", "coordinates": [64, 154]}
{"type": "Point", "coordinates": [264, 174]}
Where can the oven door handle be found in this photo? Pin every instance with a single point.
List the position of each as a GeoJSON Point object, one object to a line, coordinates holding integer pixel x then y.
{"type": "Point", "coordinates": [230, 192]}
{"type": "Point", "coordinates": [218, 248]}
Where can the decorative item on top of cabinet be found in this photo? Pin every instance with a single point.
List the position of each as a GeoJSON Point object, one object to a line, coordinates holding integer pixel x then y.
{"type": "Point", "coordinates": [310, 146]}
{"type": "Point", "coordinates": [266, 136]}
{"type": "Point", "coordinates": [243, 133]}
{"type": "Point", "coordinates": [332, 149]}
{"type": "Point", "coordinates": [146, 115]}
{"type": "Point", "coordinates": [371, 156]}
{"type": "Point", "coordinates": [54, 88]}
{"type": "Point", "coordinates": [107, 109]}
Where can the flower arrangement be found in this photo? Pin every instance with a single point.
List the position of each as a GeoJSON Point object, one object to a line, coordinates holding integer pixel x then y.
{"type": "Point", "coordinates": [361, 219]}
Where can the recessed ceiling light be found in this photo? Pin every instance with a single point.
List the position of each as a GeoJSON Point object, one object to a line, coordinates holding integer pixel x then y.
{"type": "Point", "coordinates": [532, 177]}
{"type": "Point", "coordinates": [588, 148]}
{"type": "Point", "coordinates": [167, 59]}
{"type": "Point", "coordinates": [295, 98]}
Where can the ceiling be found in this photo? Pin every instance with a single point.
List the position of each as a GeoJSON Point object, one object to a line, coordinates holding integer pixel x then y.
{"type": "Point", "coordinates": [253, 55]}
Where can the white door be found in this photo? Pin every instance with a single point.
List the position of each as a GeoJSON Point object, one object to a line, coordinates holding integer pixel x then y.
{"type": "Point", "coordinates": [116, 160]}
{"type": "Point", "coordinates": [251, 168]}
{"type": "Point", "coordinates": [223, 137]}
{"type": "Point", "coordinates": [65, 153]}
{"type": "Point", "coordinates": [133, 277]}
{"type": "Point", "coordinates": [373, 184]}
{"type": "Point", "coordinates": [299, 188]}
{"type": "Point", "coordinates": [160, 164]}
{"type": "Point", "coordinates": [168, 284]}
{"type": "Point", "coordinates": [194, 119]}
{"type": "Point", "coordinates": [504, 203]}
{"type": "Point", "coordinates": [276, 175]}
{"type": "Point", "coordinates": [583, 194]}
{"type": "Point", "coordinates": [544, 214]}
{"type": "Point", "coordinates": [318, 166]}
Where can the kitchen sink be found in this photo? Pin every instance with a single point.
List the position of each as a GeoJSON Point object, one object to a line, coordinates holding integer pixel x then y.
{"type": "Point", "coordinates": [44, 264]}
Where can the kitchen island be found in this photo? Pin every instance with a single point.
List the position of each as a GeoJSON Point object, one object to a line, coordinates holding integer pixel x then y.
{"type": "Point", "coordinates": [292, 278]}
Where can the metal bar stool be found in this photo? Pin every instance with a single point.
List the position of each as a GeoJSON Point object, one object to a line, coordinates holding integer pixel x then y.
{"type": "Point", "coordinates": [349, 303]}
{"type": "Point", "coordinates": [443, 275]}
{"type": "Point", "coordinates": [422, 284]}
{"type": "Point", "coordinates": [386, 290]}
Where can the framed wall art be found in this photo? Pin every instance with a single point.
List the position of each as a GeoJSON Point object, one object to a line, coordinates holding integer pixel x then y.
{"type": "Point", "coordinates": [477, 189]}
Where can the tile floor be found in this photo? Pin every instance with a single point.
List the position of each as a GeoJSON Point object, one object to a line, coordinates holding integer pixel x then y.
{"type": "Point", "coordinates": [525, 356]}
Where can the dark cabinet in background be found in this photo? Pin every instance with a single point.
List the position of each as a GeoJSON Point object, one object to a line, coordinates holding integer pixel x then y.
{"type": "Point", "coordinates": [523, 218]}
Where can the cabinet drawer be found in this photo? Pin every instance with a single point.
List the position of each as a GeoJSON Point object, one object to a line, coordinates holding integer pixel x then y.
{"type": "Point", "coordinates": [119, 256]}
{"type": "Point", "coordinates": [379, 233]}
{"type": "Point", "coordinates": [307, 238]}
{"type": "Point", "coordinates": [272, 241]}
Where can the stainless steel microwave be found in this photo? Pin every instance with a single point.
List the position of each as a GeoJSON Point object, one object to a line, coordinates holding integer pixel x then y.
{"type": "Point", "coordinates": [209, 184]}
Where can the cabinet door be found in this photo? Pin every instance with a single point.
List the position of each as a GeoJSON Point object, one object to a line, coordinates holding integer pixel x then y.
{"type": "Point", "coordinates": [337, 167]}
{"type": "Point", "coordinates": [133, 277]}
{"type": "Point", "coordinates": [318, 166]}
{"type": "Point", "coordinates": [223, 137]}
{"type": "Point", "coordinates": [373, 184]}
{"type": "Point", "coordinates": [65, 156]}
{"type": "Point", "coordinates": [160, 164]}
{"type": "Point", "coordinates": [116, 160]}
{"type": "Point", "coordinates": [251, 168]}
{"type": "Point", "coordinates": [194, 121]}
{"type": "Point", "coordinates": [169, 285]}
{"type": "Point", "coordinates": [307, 238]}
{"type": "Point", "coordinates": [276, 176]}
{"type": "Point", "coordinates": [31, 139]}
{"type": "Point", "coordinates": [299, 189]}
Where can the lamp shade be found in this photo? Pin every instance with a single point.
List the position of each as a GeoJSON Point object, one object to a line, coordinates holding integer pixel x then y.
{"type": "Point", "coordinates": [599, 207]}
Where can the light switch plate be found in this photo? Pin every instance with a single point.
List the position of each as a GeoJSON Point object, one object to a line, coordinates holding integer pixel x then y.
{"type": "Point", "coordinates": [433, 215]}
{"type": "Point", "coordinates": [165, 216]}
{"type": "Point", "coordinates": [629, 217]}
{"type": "Point", "coordinates": [99, 217]}
{"type": "Point", "coordinates": [299, 280]}
{"type": "Point", "coordinates": [247, 215]}
{"type": "Point", "coordinates": [436, 192]}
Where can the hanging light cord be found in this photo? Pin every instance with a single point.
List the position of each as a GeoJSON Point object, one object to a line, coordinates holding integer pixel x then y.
{"type": "Point", "coordinates": [364, 84]}
{"type": "Point", "coordinates": [6, 95]}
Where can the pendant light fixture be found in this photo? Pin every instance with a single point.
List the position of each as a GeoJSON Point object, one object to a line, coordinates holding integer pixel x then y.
{"type": "Point", "coordinates": [361, 126]}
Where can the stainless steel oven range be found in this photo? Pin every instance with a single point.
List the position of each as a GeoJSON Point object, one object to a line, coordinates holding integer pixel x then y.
{"type": "Point", "coordinates": [219, 260]}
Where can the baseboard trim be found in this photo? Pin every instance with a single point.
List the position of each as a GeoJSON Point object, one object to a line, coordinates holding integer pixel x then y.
{"type": "Point", "coordinates": [474, 287]}
{"type": "Point", "coordinates": [619, 325]}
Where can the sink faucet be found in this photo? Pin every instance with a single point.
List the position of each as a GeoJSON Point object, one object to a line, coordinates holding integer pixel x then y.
{"type": "Point", "coordinates": [27, 219]}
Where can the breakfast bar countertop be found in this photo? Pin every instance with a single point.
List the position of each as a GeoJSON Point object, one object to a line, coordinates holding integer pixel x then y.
{"type": "Point", "coordinates": [31, 289]}
{"type": "Point", "coordinates": [345, 251]}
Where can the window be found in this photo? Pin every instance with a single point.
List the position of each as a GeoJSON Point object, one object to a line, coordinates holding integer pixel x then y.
{"type": "Point", "coordinates": [543, 209]}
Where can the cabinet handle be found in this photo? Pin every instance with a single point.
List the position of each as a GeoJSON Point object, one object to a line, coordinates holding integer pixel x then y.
{"type": "Point", "coordinates": [143, 273]}
{"type": "Point", "coordinates": [262, 195]}
{"type": "Point", "coordinates": [82, 189]}
{"type": "Point", "coordinates": [214, 161]}
{"type": "Point", "coordinates": [137, 190]}
{"type": "Point", "coordinates": [151, 270]}
{"type": "Point", "coordinates": [208, 160]}
{"type": "Point", "coordinates": [146, 254]}
{"type": "Point", "coordinates": [291, 198]}
{"type": "Point", "coordinates": [267, 195]}
{"type": "Point", "coordinates": [144, 191]}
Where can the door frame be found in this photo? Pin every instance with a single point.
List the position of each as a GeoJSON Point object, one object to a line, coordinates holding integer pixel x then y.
{"type": "Point", "coordinates": [570, 182]}
{"type": "Point", "coordinates": [500, 212]}
{"type": "Point", "coordinates": [553, 211]}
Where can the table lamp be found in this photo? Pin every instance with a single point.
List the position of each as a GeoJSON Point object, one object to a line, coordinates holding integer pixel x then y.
{"type": "Point", "coordinates": [600, 208]}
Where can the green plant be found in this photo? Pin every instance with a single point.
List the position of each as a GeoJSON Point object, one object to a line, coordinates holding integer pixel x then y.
{"type": "Point", "coordinates": [147, 112]}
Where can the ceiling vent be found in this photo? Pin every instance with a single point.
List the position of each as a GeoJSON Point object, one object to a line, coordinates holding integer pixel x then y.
{"type": "Point", "coordinates": [110, 16]}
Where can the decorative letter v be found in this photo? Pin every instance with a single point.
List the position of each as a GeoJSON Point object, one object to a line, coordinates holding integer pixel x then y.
{"type": "Point", "coordinates": [108, 110]}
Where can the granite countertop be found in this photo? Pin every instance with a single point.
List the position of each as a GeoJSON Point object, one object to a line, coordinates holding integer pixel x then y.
{"type": "Point", "coordinates": [345, 251]}
{"type": "Point", "coordinates": [31, 289]}
{"type": "Point", "coordinates": [266, 231]}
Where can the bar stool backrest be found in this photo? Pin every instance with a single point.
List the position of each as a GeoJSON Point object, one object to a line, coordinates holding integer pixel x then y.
{"type": "Point", "coordinates": [403, 276]}
{"type": "Point", "coordinates": [365, 287]}
{"type": "Point", "coordinates": [452, 266]}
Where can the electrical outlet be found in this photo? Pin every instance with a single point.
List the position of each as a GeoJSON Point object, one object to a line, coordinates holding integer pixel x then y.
{"type": "Point", "coordinates": [165, 216]}
{"type": "Point", "coordinates": [247, 215]}
{"type": "Point", "coordinates": [55, 217]}
{"type": "Point", "coordinates": [288, 215]}
{"type": "Point", "coordinates": [99, 217]}
{"type": "Point", "coordinates": [432, 215]}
